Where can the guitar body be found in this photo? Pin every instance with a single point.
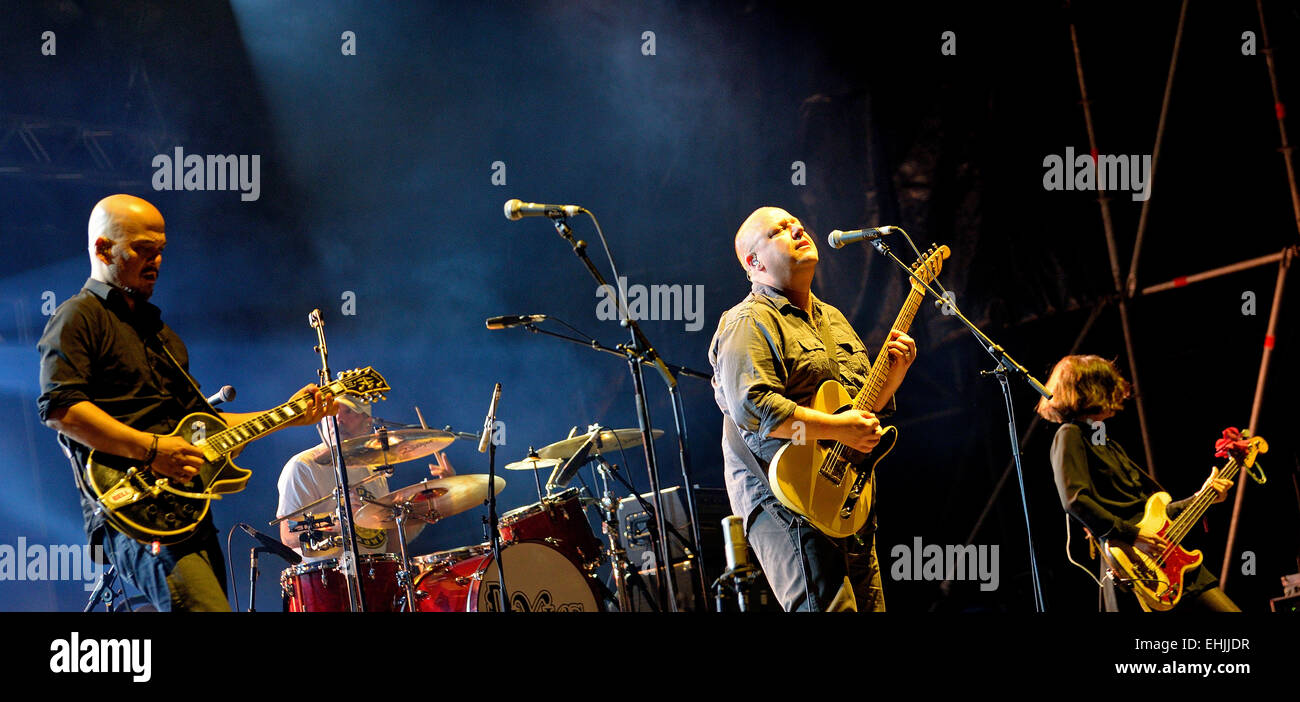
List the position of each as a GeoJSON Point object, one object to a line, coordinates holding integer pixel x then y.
{"type": "Point", "coordinates": [1158, 586]}
{"type": "Point", "coordinates": [148, 507]}
{"type": "Point", "coordinates": [833, 493]}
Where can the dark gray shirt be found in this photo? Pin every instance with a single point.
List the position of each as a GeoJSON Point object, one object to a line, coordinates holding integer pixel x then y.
{"type": "Point", "coordinates": [768, 357]}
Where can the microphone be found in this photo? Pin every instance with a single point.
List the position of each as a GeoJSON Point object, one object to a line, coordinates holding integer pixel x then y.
{"type": "Point", "coordinates": [489, 420]}
{"type": "Point", "coordinates": [838, 238]}
{"type": "Point", "coordinates": [737, 551]}
{"type": "Point", "coordinates": [273, 545]}
{"type": "Point", "coordinates": [564, 472]}
{"type": "Point", "coordinates": [225, 394]}
{"type": "Point", "coordinates": [507, 321]}
{"type": "Point", "coordinates": [516, 209]}
{"type": "Point", "coordinates": [733, 538]}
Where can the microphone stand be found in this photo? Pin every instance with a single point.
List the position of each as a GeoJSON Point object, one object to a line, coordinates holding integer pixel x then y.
{"type": "Point", "coordinates": [343, 505]}
{"type": "Point", "coordinates": [487, 444]}
{"type": "Point", "coordinates": [639, 351]}
{"type": "Point", "coordinates": [1007, 366]}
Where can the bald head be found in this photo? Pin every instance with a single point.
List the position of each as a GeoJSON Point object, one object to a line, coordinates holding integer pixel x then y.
{"type": "Point", "coordinates": [756, 225]}
{"type": "Point", "coordinates": [774, 249]}
{"type": "Point", "coordinates": [125, 237]}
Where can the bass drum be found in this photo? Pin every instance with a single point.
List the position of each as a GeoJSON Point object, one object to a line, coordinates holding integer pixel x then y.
{"type": "Point", "coordinates": [540, 578]}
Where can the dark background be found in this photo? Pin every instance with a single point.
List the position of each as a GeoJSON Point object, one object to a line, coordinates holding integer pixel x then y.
{"type": "Point", "coordinates": [376, 179]}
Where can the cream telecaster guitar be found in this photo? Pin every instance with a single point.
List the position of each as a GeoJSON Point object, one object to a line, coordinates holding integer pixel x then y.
{"type": "Point", "coordinates": [825, 481]}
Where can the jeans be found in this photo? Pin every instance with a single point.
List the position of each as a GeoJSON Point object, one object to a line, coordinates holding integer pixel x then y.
{"type": "Point", "coordinates": [806, 568]}
{"type": "Point", "coordinates": [187, 577]}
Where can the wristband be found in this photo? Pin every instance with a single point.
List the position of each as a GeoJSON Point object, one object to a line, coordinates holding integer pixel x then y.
{"type": "Point", "coordinates": [153, 451]}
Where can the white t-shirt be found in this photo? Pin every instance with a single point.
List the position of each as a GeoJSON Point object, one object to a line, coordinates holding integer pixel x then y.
{"type": "Point", "coordinates": [304, 479]}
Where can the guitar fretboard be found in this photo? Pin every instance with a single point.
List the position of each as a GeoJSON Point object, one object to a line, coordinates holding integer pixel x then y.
{"type": "Point", "coordinates": [229, 439]}
{"type": "Point", "coordinates": [870, 392]}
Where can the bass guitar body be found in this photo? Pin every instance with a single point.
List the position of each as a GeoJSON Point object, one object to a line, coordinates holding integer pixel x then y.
{"type": "Point", "coordinates": [1158, 583]}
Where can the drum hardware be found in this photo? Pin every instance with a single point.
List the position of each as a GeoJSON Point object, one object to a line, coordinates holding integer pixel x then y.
{"type": "Point", "coordinates": [621, 570]}
{"type": "Point", "coordinates": [637, 353]}
{"type": "Point", "coordinates": [534, 463]}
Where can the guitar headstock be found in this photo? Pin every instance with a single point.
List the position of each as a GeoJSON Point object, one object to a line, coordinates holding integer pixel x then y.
{"type": "Point", "coordinates": [1241, 446]}
{"type": "Point", "coordinates": [365, 383]}
{"type": "Point", "coordinates": [927, 267]}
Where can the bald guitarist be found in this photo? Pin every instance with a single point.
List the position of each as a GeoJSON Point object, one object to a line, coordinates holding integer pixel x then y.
{"type": "Point", "coordinates": [114, 380]}
{"type": "Point", "coordinates": [770, 354]}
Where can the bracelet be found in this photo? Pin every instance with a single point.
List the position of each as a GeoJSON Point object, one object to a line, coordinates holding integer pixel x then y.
{"type": "Point", "coordinates": [153, 451]}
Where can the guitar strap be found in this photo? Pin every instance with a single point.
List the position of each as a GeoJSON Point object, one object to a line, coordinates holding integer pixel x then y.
{"type": "Point", "coordinates": [193, 383]}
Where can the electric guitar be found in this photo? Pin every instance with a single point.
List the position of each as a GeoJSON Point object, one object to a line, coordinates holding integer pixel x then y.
{"type": "Point", "coordinates": [1158, 580]}
{"type": "Point", "coordinates": [826, 482]}
{"type": "Point", "coordinates": [149, 507]}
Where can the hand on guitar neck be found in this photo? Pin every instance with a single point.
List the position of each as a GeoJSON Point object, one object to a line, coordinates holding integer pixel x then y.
{"type": "Point", "coordinates": [1154, 544]}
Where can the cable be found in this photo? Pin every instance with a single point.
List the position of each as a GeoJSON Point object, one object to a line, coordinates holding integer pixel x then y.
{"type": "Point", "coordinates": [230, 568]}
{"type": "Point", "coordinates": [623, 311]}
{"type": "Point", "coordinates": [1070, 557]}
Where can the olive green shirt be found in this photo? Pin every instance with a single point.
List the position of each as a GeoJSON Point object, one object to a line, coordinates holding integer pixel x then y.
{"type": "Point", "coordinates": [768, 357]}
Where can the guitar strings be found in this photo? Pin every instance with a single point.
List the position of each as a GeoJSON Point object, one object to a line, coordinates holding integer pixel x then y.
{"type": "Point", "coordinates": [1183, 524]}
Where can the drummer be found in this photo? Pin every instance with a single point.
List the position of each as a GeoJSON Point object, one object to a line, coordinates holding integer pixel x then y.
{"type": "Point", "coordinates": [309, 475]}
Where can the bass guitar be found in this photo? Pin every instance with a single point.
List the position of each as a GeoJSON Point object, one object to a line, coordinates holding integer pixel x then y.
{"type": "Point", "coordinates": [826, 482]}
{"type": "Point", "coordinates": [149, 507]}
{"type": "Point", "coordinates": [1158, 580]}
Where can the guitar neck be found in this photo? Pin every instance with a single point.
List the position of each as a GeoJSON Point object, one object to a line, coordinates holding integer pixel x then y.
{"type": "Point", "coordinates": [1201, 501]}
{"type": "Point", "coordinates": [232, 438]}
{"type": "Point", "coordinates": [870, 392]}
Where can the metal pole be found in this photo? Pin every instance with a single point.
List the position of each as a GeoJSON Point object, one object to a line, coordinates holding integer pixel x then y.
{"type": "Point", "coordinates": [1254, 413]}
{"type": "Point", "coordinates": [1113, 253]}
{"type": "Point", "coordinates": [1131, 285]}
{"type": "Point", "coordinates": [1280, 110]}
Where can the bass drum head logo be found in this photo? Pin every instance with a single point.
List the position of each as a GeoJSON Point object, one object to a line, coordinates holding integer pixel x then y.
{"type": "Point", "coordinates": [539, 578]}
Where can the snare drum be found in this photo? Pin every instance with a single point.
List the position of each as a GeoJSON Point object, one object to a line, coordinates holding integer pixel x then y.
{"type": "Point", "coordinates": [540, 577]}
{"type": "Point", "coordinates": [561, 521]}
{"type": "Point", "coordinates": [320, 587]}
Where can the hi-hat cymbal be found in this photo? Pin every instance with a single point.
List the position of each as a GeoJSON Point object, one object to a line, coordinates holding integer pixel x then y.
{"type": "Point", "coordinates": [534, 464]}
{"type": "Point", "coordinates": [429, 500]}
{"type": "Point", "coordinates": [403, 445]}
{"type": "Point", "coordinates": [610, 440]}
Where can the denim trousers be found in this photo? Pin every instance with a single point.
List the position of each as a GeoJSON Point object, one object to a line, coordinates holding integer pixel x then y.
{"type": "Point", "coordinates": [186, 577]}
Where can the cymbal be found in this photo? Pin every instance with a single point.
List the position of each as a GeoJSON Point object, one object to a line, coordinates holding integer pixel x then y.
{"type": "Point", "coordinates": [534, 464]}
{"type": "Point", "coordinates": [403, 445]}
{"type": "Point", "coordinates": [430, 500]}
{"type": "Point", "coordinates": [610, 440]}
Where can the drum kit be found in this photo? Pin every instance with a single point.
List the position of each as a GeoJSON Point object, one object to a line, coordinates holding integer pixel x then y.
{"type": "Point", "coordinates": [548, 551]}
